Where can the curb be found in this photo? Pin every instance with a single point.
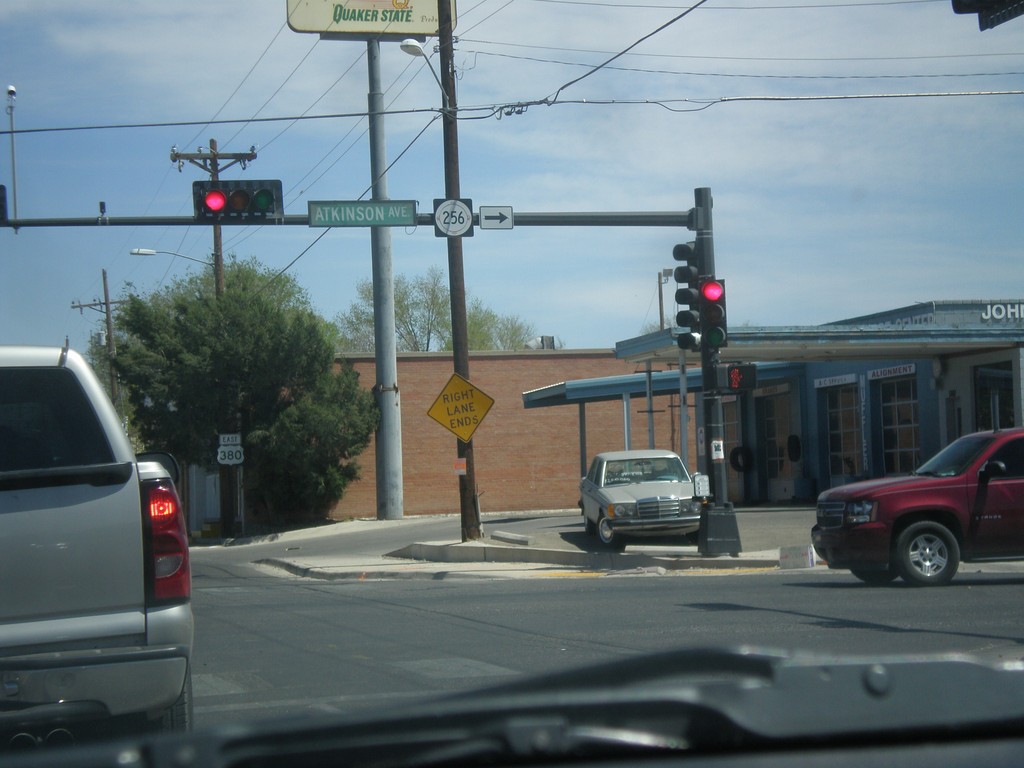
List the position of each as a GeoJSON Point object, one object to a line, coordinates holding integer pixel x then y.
{"type": "Point", "coordinates": [475, 552]}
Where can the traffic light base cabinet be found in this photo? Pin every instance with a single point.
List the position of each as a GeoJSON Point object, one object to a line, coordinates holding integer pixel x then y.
{"type": "Point", "coordinates": [719, 534]}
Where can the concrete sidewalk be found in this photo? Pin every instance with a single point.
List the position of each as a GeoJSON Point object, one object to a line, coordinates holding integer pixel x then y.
{"type": "Point", "coordinates": [508, 555]}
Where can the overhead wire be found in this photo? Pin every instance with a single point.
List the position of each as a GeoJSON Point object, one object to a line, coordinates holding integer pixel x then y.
{"type": "Point", "coordinates": [628, 48]}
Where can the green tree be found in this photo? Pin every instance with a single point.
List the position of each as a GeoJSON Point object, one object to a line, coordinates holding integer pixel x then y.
{"type": "Point", "coordinates": [423, 319]}
{"type": "Point", "coordinates": [257, 361]}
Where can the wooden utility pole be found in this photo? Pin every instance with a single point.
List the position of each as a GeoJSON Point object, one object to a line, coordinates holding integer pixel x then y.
{"type": "Point", "coordinates": [106, 304]}
{"type": "Point", "coordinates": [211, 163]}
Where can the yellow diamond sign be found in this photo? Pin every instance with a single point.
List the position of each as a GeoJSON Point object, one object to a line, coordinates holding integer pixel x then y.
{"type": "Point", "coordinates": [460, 407]}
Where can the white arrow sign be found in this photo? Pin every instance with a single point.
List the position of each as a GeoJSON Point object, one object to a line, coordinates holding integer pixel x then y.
{"type": "Point", "coordinates": [496, 217]}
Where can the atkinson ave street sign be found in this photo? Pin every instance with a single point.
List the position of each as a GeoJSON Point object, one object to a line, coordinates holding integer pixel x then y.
{"type": "Point", "coordinates": [362, 213]}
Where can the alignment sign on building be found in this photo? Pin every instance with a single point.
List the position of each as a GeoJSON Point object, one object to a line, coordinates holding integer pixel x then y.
{"type": "Point", "coordinates": [460, 407]}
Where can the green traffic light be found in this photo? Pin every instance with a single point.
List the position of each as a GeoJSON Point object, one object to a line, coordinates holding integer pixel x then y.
{"type": "Point", "coordinates": [263, 200]}
{"type": "Point", "coordinates": [714, 337]}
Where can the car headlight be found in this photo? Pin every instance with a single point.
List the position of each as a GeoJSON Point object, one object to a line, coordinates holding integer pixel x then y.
{"type": "Point", "coordinates": [860, 511]}
{"type": "Point", "coordinates": [622, 509]}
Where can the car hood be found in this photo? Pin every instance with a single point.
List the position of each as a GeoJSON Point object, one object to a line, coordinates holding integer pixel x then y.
{"type": "Point", "coordinates": [883, 486]}
{"type": "Point", "coordinates": [637, 491]}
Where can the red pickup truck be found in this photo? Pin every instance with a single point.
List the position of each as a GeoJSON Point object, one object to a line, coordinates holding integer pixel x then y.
{"type": "Point", "coordinates": [965, 504]}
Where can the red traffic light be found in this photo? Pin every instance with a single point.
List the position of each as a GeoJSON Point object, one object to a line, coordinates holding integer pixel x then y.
{"type": "Point", "coordinates": [215, 200]}
{"type": "Point", "coordinates": [712, 290]}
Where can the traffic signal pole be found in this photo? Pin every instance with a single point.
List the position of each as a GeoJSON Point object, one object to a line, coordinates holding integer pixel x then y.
{"type": "Point", "coordinates": [714, 429]}
{"type": "Point", "coordinates": [719, 533]}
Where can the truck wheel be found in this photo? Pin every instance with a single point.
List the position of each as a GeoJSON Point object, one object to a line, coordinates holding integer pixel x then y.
{"type": "Point", "coordinates": [179, 716]}
{"type": "Point", "coordinates": [927, 554]}
{"type": "Point", "coordinates": [875, 578]}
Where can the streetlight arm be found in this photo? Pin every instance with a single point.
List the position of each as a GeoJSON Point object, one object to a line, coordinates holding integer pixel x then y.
{"type": "Point", "coordinates": [415, 48]}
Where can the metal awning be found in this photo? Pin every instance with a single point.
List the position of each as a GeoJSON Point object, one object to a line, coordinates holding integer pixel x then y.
{"type": "Point", "coordinates": [632, 385]}
{"type": "Point", "coordinates": [831, 342]}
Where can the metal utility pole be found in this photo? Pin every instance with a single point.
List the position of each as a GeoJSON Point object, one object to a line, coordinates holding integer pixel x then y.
{"type": "Point", "coordinates": [210, 162]}
{"type": "Point", "coordinates": [456, 276]}
{"type": "Point", "coordinates": [12, 94]}
{"type": "Point", "coordinates": [390, 494]}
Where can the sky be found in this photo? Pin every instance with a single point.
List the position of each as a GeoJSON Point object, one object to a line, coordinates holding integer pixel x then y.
{"type": "Point", "coordinates": [862, 156]}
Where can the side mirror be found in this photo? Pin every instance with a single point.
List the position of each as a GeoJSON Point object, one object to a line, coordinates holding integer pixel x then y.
{"type": "Point", "coordinates": [992, 469]}
{"type": "Point", "coordinates": [164, 459]}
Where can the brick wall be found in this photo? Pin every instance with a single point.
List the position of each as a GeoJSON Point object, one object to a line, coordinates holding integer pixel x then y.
{"type": "Point", "coordinates": [526, 459]}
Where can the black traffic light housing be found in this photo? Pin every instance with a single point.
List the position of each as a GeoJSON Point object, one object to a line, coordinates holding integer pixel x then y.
{"type": "Point", "coordinates": [687, 277]}
{"type": "Point", "coordinates": [737, 377]}
{"type": "Point", "coordinates": [243, 201]}
{"type": "Point", "coordinates": [714, 331]}
{"type": "Point", "coordinates": [991, 13]}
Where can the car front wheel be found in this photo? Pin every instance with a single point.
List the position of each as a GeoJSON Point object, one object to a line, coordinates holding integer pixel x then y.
{"type": "Point", "coordinates": [605, 532]}
{"type": "Point", "coordinates": [927, 554]}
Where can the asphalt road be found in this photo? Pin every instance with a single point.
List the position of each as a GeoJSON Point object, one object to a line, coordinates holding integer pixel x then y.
{"type": "Point", "coordinates": [270, 645]}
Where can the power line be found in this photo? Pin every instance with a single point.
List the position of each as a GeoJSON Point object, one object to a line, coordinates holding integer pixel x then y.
{"type": "Point", "coordinates": [745, 58]}
{"type": "Point", "coordinates": [650, 71]}
{"type": "Point", "coordinates": [626, 50]}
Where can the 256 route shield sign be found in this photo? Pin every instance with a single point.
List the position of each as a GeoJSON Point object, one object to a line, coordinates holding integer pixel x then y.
{"type": "Point", "coordinates": [460, 407]}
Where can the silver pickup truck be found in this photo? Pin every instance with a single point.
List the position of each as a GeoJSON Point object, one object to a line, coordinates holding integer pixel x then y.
{"type": "Point", "coordinates": [96, 621]}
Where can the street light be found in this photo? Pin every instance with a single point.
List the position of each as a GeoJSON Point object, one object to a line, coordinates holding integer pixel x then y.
{"type": "Point", "coordinates": [151, 252]}
{"type": "Point", "coordinates": [414, 47]}
{"type": "Point", "coordinates": [663, 277]}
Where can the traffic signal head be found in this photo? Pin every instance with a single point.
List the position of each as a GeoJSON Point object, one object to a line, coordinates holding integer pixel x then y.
{"type": "Point", "coordinates": [687, 276]}
{"type": "Point", "coordinates": [238, 201]}
{"type": "Point", "coordinates": [737, 377]}
{"type": "Point", "coordinates": [713, 328]}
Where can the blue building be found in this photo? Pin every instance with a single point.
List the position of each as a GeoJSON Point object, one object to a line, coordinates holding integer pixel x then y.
{"type": "Point", "coordinates": [863, 397]}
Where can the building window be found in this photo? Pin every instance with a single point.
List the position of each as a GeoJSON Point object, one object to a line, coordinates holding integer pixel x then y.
{"type": "Point", "coordinates": [993, 396]}
{"type": "Point", "coordinates": [901, 438]}
{"type": "Point", "coordinates": [844, 434]}
{"type": "Point", "coordinates": [776, 432]}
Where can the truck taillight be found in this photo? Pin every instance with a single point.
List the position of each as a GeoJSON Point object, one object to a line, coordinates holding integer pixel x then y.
{"type": "Point", "coordinates": [168, 574]}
